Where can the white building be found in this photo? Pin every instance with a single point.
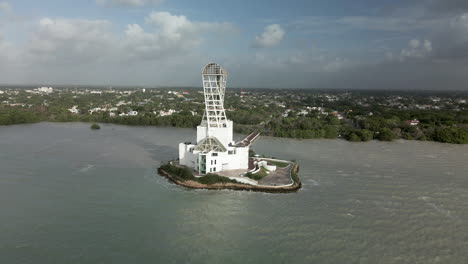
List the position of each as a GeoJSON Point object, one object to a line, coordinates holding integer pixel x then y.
{"type": "Point", "coordinates": [96, 109]}
{"type": "Point", "coordinates": [74, 110]}
{"type": "Point", "coordinates": [167, 113]}
{"type": "Point", "coordinates": [413, 122]}
{"type": "Point", "coordinates": [215, 149]}
{"type": "Point", "coordinates": [45, 89]}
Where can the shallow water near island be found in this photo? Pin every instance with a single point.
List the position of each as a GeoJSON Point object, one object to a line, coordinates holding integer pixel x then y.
{"type": "Point", "coordinates": [72, 195]}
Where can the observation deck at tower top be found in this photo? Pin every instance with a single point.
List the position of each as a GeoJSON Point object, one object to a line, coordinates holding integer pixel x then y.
{"type": "Point", "coordinates": [214, 69]}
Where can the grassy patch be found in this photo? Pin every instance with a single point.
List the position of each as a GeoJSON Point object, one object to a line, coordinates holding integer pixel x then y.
{"type": "Point", "coordinates": [257, 176]}
{"type": "Point", "coordinates": [183, 173]}
{"type": "Point", "coordinates": [214, 178]}
{"type": "Point", "coordinates": [278, 164]}
{"type": "Point", "coordinates": [294, 175]}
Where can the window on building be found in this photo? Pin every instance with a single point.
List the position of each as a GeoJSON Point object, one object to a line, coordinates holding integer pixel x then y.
{"type": "Point", "coordinates": [214, 169]}
{"type": "Point", "coordinates": [231, 152]}
{"type": "Point", "coordinates": [214, 154]}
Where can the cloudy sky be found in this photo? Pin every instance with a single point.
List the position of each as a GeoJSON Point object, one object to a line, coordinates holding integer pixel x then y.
{"type": "Point", "coordinates": [381, 44]}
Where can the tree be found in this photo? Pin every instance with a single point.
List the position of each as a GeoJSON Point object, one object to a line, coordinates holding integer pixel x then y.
{"type": "Point", "coordinates": [385, 134]}
{"type": "Point", "coordinates": [365, 135]}
{"type": "Point", "coordinates": [331, 132]}
{"type": "Point", "coordinates": [451, 135]}
{"type": "Point", "coordinates": [353, 137]}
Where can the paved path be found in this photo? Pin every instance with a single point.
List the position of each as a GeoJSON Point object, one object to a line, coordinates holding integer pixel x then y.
{"type": "Point", "coordinates": [231, 173]}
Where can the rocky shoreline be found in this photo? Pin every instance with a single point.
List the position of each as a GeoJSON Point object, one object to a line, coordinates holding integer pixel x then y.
{"type": "Point", "coordinates": [236, 186]}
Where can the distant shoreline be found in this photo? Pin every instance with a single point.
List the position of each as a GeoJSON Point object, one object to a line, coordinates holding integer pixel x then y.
{"type": "Point", "coordinates": [295, 138]}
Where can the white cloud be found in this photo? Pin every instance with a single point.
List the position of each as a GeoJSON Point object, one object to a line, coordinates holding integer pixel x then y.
{"type": "Point", "coordinates": [131, 3]}
{"type": "Point", "coordinates": [170, 35]}
{"type": "Point", "coordinates": [172, 27]}
{"type": "Point", "coordinates": [272, 35]}
{"type": "Point", "coordinates": [335, 65]}
{"type": "Point", "coordinates": [80, 41]}
{"type": "Point", "coordinates": [5, 7]}
{"type": "Point", "coordinates": [8, 56]}
{"type": "Point", "coordinates": [74, 41]}
{"type": "Point", "coordinates": [338, 25]}
{"type": "Point", "coordinates": [459, 26]}
{"type": "Point", "coordinates": [416, 49]}
{"type": "Point", "coordinates": [170, 49]}
{"type": "Point", "coordinates": [61, 50]}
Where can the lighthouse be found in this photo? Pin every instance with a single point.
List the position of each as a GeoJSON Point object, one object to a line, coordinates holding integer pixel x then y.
{"type": "Point", "coordinates": [215, 149]}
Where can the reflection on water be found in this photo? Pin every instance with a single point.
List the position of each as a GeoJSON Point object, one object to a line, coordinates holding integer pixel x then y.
{"type": "Point", "coordinates": [72, 195]}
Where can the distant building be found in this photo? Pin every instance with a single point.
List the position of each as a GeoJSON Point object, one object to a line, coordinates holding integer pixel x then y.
{"type": "Point", "coordinates": [45, 89]}
{"type": "Point", "coordinates": [74, 110]}
{"type": "Point", "coordinates": [167, 113]}
{"type": "Point", "coordinates": [132, 113]}
{"type": "Point", "coordinates": [96, 109]}
{"type": "Point", "coordinates": [413, 122]}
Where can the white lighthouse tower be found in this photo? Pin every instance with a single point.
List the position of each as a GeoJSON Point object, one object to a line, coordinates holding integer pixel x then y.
{"type": "Point", "coordinates": [215, 149]}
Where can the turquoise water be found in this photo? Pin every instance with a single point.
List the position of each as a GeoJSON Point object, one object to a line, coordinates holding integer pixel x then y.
{"type": "Point", "coordinates": [72, 195]}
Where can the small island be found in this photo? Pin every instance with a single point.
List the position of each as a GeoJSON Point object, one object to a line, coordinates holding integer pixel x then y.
{"type": "Point", "coordinates": [95, 126]}
{"type": "Point", "coordinates": [268, 175]}
{"type": "Point", "coordinates": [216, 161]}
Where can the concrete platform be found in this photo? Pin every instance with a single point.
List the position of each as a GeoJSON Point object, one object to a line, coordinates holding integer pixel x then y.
{"type": "Point", "coordinates": [279, 177]}
{"type": "Point", "coordinates": [231, 173]}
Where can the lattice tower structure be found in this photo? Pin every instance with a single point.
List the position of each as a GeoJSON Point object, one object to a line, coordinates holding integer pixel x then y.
{"type": "Point", "coordinates": [214, 86]}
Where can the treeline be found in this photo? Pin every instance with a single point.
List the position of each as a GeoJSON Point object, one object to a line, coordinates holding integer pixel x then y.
{"type": "Point", "coordinates": [11, 116]}
{"type": "Point", "coordinates": [386, 130]}
{"type": "Point", "coordinates": [442, 126]}
{"type": "Point", "coordinates": [385, 125]}
{"type": "Point", "coordinates": [175, 120]}
{"type": "Point", "coordinates": [454, 134]}
{"type": "Point", "coordinates": [305, 127]}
